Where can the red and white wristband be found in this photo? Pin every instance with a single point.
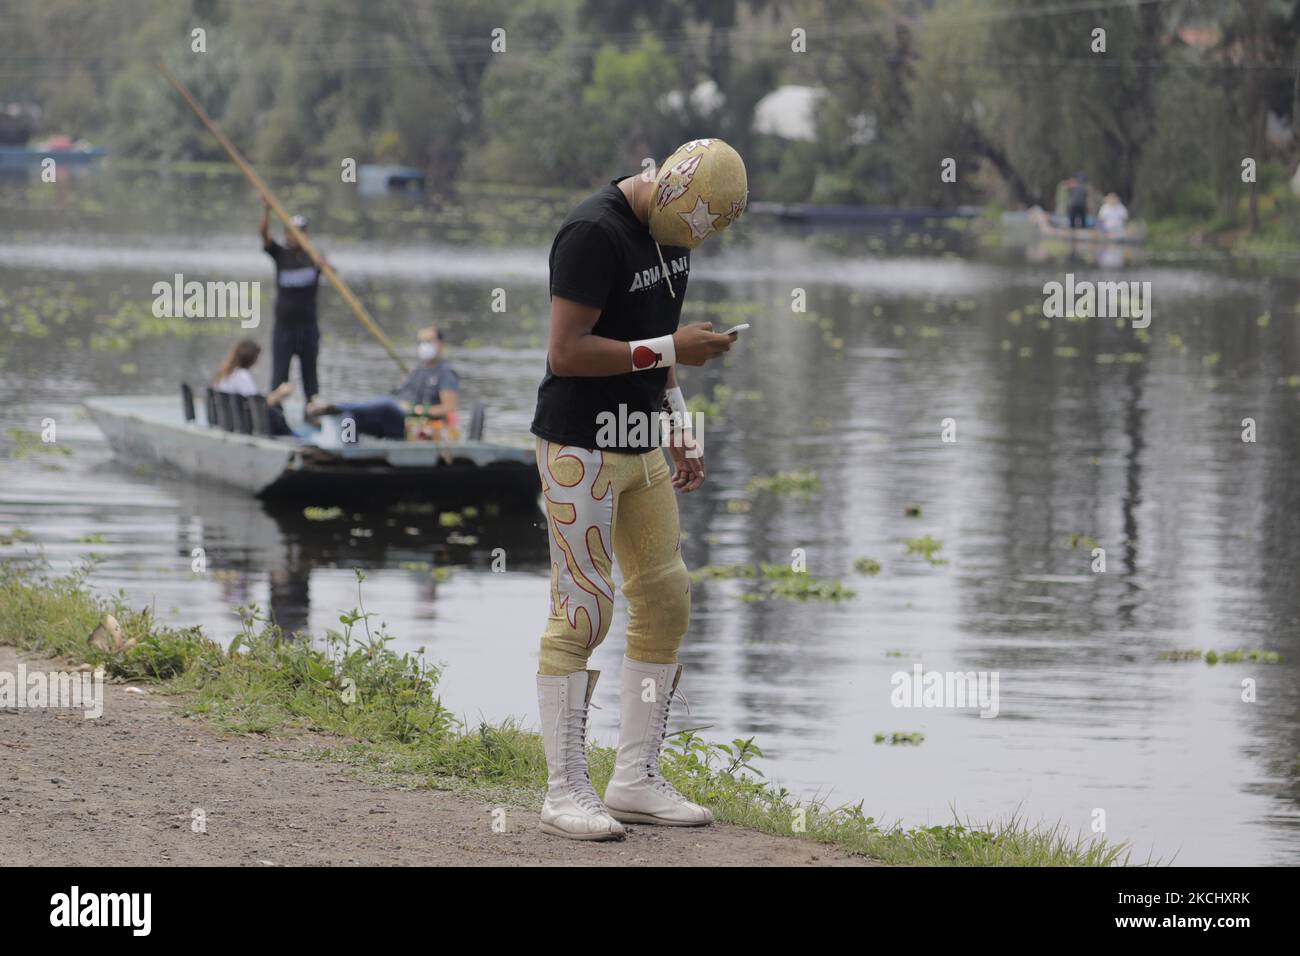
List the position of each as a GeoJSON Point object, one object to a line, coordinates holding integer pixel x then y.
{"type": "Point", "coordinates": [650, 354]}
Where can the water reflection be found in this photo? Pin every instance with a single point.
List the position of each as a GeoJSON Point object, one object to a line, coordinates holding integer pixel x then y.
{"type": "Point", "coordinates": [271, 548]}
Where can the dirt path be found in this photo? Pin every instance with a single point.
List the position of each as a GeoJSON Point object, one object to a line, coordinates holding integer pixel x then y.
{"type": "Point", "coordinates": [120, 790]}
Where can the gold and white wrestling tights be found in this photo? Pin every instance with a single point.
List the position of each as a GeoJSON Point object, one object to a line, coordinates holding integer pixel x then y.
{"type": "Point", "coordinates": [603, 506]}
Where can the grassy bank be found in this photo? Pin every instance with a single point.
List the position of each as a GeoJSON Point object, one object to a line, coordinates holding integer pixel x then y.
{"type": "Point", "coordinates": [385, 710]}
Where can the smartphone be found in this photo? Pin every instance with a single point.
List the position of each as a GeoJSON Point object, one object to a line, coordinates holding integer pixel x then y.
{"type": "Point", "coordinates": [736, 329]}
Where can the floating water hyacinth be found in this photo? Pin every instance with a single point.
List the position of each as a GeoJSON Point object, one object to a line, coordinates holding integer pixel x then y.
{"type": "Point", "coordinates": [313, 513]}
{"type": "Point", "coordinates": [899, 739]}
{"type": "Point", "coordinates": [802, 483]}
{"type": "Point", "coordinates": [712, 572]}
{"type": "Point", "coordinates": [927, 547]}
{"type": "Point", "coordinates": [801, 587]}
{"type": "Point", "coordinates": [1077, 540]}
{"type": "Point", "coordinates": [868, 566]}
{"type": "Point", "coordinates": [1239, 656]}
{"type": "Point", "coordinates": [777, 581]}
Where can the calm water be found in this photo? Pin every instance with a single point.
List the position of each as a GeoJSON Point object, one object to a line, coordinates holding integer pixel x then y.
{"type": "Point", "coordinates": [1063, 429]}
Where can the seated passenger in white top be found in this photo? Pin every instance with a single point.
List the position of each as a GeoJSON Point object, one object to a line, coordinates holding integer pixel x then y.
{"type": "Point", "coordinates": [235, 378]}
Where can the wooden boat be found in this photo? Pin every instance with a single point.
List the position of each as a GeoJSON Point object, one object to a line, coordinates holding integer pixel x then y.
{"type": "Point", "coordinates": [375, 180]}
{"type": "Point", "coordinates": [1035, 224]}
{"type": "Point", "coordinates": [153, 429]}
{"type": "Point", "coordinates": [59, 148]}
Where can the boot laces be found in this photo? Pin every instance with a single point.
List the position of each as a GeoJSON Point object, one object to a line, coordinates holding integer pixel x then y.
{"type": "Point", "coordinates": [655, 745]}
{"type": "Point", "coordinates": [575, 770]}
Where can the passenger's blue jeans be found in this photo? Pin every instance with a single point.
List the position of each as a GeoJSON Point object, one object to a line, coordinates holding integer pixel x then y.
{"type": "Point", "coordinates": [380, 417]}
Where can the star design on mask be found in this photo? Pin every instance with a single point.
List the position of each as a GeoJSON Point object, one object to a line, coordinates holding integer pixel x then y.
{"type": "Point", "coordinates": [737, 207]}
{"type": "Point", "coordinates": [699, 219]}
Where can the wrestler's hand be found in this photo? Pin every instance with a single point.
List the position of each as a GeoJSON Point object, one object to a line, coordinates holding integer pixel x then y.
{"type": "Point", "coordinates": [696, 344]}
{"type": "Point", "coordinates": [688, 473]}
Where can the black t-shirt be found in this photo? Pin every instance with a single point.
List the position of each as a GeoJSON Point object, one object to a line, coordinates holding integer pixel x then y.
{"type": "Point", "coordinates": [603, 256]}
{"type": "Point", "coordinates": [295, 281]}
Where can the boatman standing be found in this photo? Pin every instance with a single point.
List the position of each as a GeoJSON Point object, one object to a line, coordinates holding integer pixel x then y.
{"type": "Point", "coordinates": [295, 331]}
{"type": "Point", "coordinates": [618, 272]}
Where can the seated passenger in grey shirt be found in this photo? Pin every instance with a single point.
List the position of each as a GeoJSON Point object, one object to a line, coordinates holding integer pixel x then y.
{"type": "Point", "coordinates": [431, 390]}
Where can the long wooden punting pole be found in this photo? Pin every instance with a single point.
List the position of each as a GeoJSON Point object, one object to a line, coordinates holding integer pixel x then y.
{"type": "Point", "coordinates": [326, 269]}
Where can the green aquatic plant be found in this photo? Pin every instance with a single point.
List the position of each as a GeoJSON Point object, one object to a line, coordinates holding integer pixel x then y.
{"type": "Point", "coordinates": [1077, 540]}
{"type": "Point", "coordinates": [775, 581]}
{"type": "Point", "coordinates": [314, 513]}
{"type": "Point", "coordinates": [1238, 656]}
{"type": "Point", "coordinates": [723, 572]}
{"type": "Point", "coordinates": [27, 443]}
{"type": "Point", "coordinates": [799, 483]}
{"type": "Point", "coordinates": [927, 547]}
{"type": "Point", "coordinates": [1243, 656]}
{"type": "Point", "coordinates": [799, 586]}
{"type": "Point", "coordinates": [867, 566]}
{"type": "Point", "coordinates": [901, 739]}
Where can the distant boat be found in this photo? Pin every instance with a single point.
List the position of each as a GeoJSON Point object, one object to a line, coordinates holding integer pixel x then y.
{"type": "Point", "coordinates": [1035, 223]}
{"type": "Point", "coordinates": [62, 149]}
{"type": "Point", "coordinates": [374, 179]}
{"type": "Point", "coordinates": [153, 430]}
{"type": "Point", "coordinates": [853, 215]}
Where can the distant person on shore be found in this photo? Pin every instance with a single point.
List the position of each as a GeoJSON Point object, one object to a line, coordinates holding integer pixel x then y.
{"type": "Point", "coordinates": [235, 377]}
{"type": "Point", "coordinates": [432, 390]}
{"type": "Point", "coordinates": [1077, 207]}
{"type": "Point", "coordinates": [1112, 217]}
{"type": "Point", "coordinates": [295, 331]}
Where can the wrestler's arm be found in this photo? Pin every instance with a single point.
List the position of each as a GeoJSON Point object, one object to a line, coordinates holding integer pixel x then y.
{"type": "Point", "coordinates": [686, 454]}
{"type": "Point", "coordinates": [575, 352]}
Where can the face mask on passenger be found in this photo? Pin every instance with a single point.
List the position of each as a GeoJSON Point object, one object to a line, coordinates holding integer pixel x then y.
{"type": "Point", "coordinates": [427, 351]}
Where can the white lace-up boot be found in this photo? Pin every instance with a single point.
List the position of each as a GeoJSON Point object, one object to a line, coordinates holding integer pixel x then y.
{"type": "Point", "coordinates": [572, 808]}
{"type": "Point", "coordinates": [637, 793]}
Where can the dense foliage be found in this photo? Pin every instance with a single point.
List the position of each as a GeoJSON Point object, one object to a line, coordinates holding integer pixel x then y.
{"type": "Point", "coordinates": [1013, 90]}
